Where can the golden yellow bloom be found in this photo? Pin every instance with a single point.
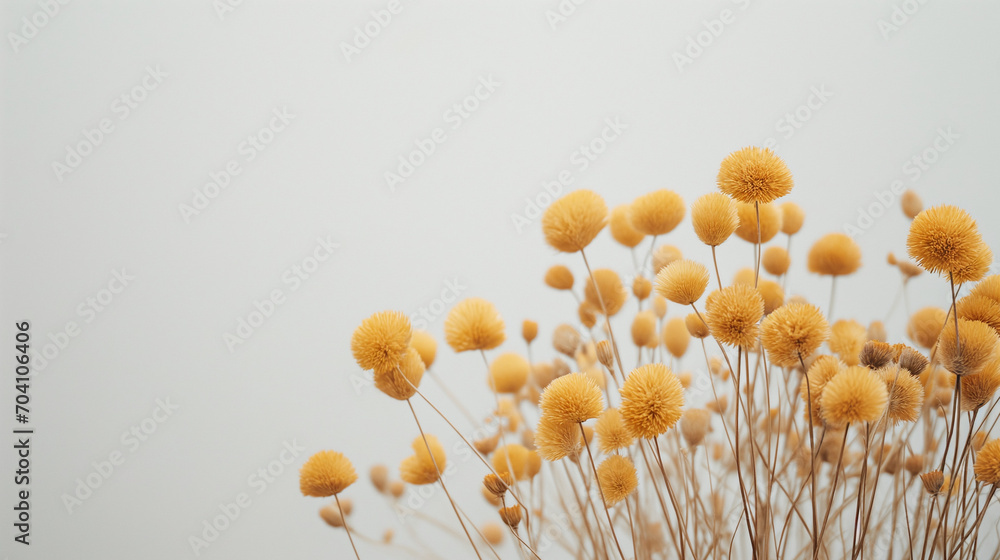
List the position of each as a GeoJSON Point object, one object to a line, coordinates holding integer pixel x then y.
{"type": "Point", "coordinates": [652, 398]}
{"type": "Point", "coordinates": [511, 460]}
{"type": "Point", "coordinates": [733, 314]}
{"type": "Point", "coordinates": [906, 394]}
{"type": "Point", "coordinates": [770, 222]}
{"type": "Point", "coordinates": [695, 424]}
{"type": "Point", "coordinates": [609, 286]}
{"type": "Point", "coordinates": [987, 466]}
{"type": "Point", "coordinates": [976, 343]}
{"type": "Point", "coordinates": [402, 381]}
{"type": "Point", "coordinates": [621, 227]}
{"type": "Point", "coordinates": [980, 308]}
{"type": "Point", "coordinates": [695, 326]}
{"type": "Point", "coordinates": [493, 533]}
{"type": "Point", "coordinates": [641, 287]}
{"type": "Point", "coordinates": [847, 338]}
{"type": "Point", "coordinates": [853, 395]}
{"type": "Point", "coordinates": [979, 388]}
{"type": "Point", "coordinates": [772, 294]}
{"type": "Point", "coordinates": [933, 481]}
{"type": "Point", "coordinates": [821, 371]}
{"type": "Point", "coordinates": [714, 218]}
{"type": "Point", "coordinates": [611, 432]}
{"type": "Point", "coordinates": [876, 331]}
{"type": "Point", "coordinates": [617, 477]}
{"type": "Point", "coordinates": [498, 484]}
{"type": "Point", "coordinates": [587, 312]}
{"type": "Point", "coordinates": [793, 330]}
{"type": "Point", "coordinates": [511, 516]}
{"type": "Point", "coordinates": [643, 328]}
{"type": "Point", "coordinates": [381, 339]}
{"type": "Point", "coordinates": [775, 260]}
{"type": "Point", "coordinates": [664, 255]}
{"type": "Point", "coordinates": [425, 345]}
{"type": "Point", "coordinates": [559, 277]}
{"type": "Point", "coordinates": [326, 473]}
{"type": "Point", "coordinates": [911, 203]}
{"type": "Point", "coordinates": [682, 281]}
{"type": "Point", "coordinates": [573, 221]}
{"type": "Point", "coordinates": [754, 174]}
{"type": "Point", "coordinates": [659, 306]}
{"type": "Point", "coordinates": [976, 268]}
{"type": "Point", "coordinates": [676, 337]}
{"type": "Point", "coordinates": [529, 330]}
{"type": "Point", "coordinates": [944, 239]}
{"type": "Point", "coordinates": [925, 326]}
{"type": "Point", "coordinates": [508, 373]}
{"type": "Point", "coordinates": [572, 398]}
{"type": "Point", "coordinates": [792, 217]}
{"type": "Point", "coordinates": [555, 440]}
{"type": "Point", "coordinates": [834, 254]}
{"type": "Point", "coordinates": [474, 324]}
{"type": "Point", "coordinates": [744, 276]}
{"type": "Point", "coordinates": [988, 287]}
{"type": "Point", "coordinates": [419, 468]}
{"type": "Point", "coordinates": [657, 213]}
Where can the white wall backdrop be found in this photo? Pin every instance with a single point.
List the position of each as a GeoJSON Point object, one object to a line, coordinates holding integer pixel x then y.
{"type": "Point", "coordinates": [169, 166]}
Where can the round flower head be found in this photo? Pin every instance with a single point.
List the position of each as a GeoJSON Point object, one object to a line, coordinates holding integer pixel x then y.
{"type": "Point", "coordinates": [556, 440]}
{"type": "Point", "coordinates": [733, 314]}
{"type": "Point", "coordinates": [822, 370]}
{"type": "Point", "coordinates": [657, 213]}
{"type": "Point", "coordinates": [402, 381]}
{"type": "Point", "coordinates": [652, 398]}
{"type": "Point", "coordinates": [566, 339]}
{"type": "Point", "coordinates": [906, 394]}
{"type": "Point", "coordinates": [326, 473]}
{"type": "Point", "coordinates": [754, 174]}
{"type": "Point", "coordinates": [695, 424]}
{"type": "Point", "coordinates": [776, 260]}
{"type": "Point", "coordinates": [664, 255]}
{"type": "Point", "coordinates": [379, 475]}
{"type": "Point", "coordinates": [419, 468]}
{"type": "Point", "coordinates": [987, 466]}
{"type": "Point", "coordinates": [834, 254]}
{"type": "Point", "coordinates": [659, 306]}
{"type": "Point", "coordinates": [911, 203]}
{"type": "Point", "coordinates": [792, 217]}
{"type": "Point", "coordinates": [380, 341]}
{"type": "Point", "coordinates": [770, 222]}
{"type": "Point", "coordinates": [511, 516]}
{"type": "Point", "coordinates": [573, 221]}
{"type": "Point", "coordinates": [714, 218]}
{"type": "Point", "coordinates": [988, 287]}
{"type": "Point", "coordinates": [493, 533]}
{"type": "Point", "coordinates": [944, 239]}
{"type": "Point", "coordinates": [643, 328]}
{"type": "Point", "coordinates": [772, 294]}
{"type": "Point", "coordinates": [676, 337]}
{"type": "Point", "coordinates": [559, 277]}
{"type": "Point", "coordinates": [682, 281]}
{"type": "Point", "coordinates": [611, 432]}
{"type": "Point", "coordinates": [695, 326]}
{"type": "Point", "coordinates": [853, 395]}
{"type": "Point", "coordinates": [511, 460]}
{"type": "Point", "coordinates": [508, 373]}
{"type": "Point", "coordinates": [617, 477]}
{"type": "Point", "coordinates": [572, 398]}
{"type": "Point", "coordinates": [425, 345]}
{"type": "Point", "coordinates": [332, 515]}
{"type": "Point", "coordinates": [621, 227]}
{"type": "Point", "coordinates": [976, 268]}
{"type": "Point", "coordinates": [977, 341]}
{"type": "Point", "coordinates": [980, 308]}
{"type": "Point", "coordinates": [474, 324]}
{"type": "Point", "coordinates": [529, 330]}
{"type": "Point", "coordinates": [979, 388]}
{"type": "Point", "coordinates": [641, 287]}
{"type": "Point", "coordinates": [744, 276]}
{"type": "Point", "coordinates": [793, 332]}
{"type": "Point", "coordinates": [612, 292]}
{"type": "Point", "coordinates": [847, 338]}
{"type": "Point", "coordinates": [587, 313]}
{"type": "Point", "coordinates": [875, 354]}
{"type": "Point", "coordinates": [925, 326]}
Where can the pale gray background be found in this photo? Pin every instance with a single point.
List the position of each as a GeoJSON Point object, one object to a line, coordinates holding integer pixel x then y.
{"type": "Point", "coordinates": [323, 176]}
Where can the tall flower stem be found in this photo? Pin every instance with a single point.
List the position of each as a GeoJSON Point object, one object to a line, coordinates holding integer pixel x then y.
{"type": "Point", "coordinates": [346, 528]}
{"type": "Point", "coordinates": [600, 491]}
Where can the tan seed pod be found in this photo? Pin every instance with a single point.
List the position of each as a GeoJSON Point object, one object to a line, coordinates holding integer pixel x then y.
{"type": "Point", "coordinates": [695, 424]}
{"type": "Point", "coordinates": [572, 222]}
{"type": "Point", "coordinates": [332, 515]}
{"type": "Point", "coordinates": [792, 217]}
{"type": "Point", "coordinates": [511, 460]}
{"type": "Point", "coordinates": [676, 337]}
{"type": "Point", "coordinates": [933, 482]}
{"type": "Point", "coordinates": [559, 277]}
{"type": "Point", "coordinates": [664, 255]}
{"type": "Point", "coordinates": [529, 330]}
{"type": "Point", "coordinates": [911, 203]}
{"type": "Point", "coordinates": [498, 484]}
{"type": "Point", "coordinates": [912, 361]}
{"type": "Point", "coordinates": [566, 339]}
{"type": "Point", "coordinates": [379, 475]}
{"type": "Point", "coordinates": [511, 516]}
{"type": "Point", "coordinates": [834, 254]}
{"type": "Point", "coordinates": [560, 367]}
{"type": "Point", "coordinates": [486, 445]}
{"type": "Point", "coordinates": [770, 222]}
{"type": "Point", "coordinates": [877, 332]}
{"type": "Point", "coordinates": [659, 306]}
{"type": "Point", "coordinates": [605, 354]}
{"type": "Point", "coordinates": [754, 174]}
{"type": "Point", "coordinates": [718, 405]}
{"type": "Point", "coordinates": [914, 464]}
{"type": "Point", "coordinates": [542, 374]}
{"type": "Point", "coordinates": [657, 213]}
{"type": "Point", "coordinates": [979, 440]}
{"type": "Point", "coordinates": [685, 378]}
{"type": "Point", "coordinates": [587, 314]}
{"type": "Point", "coordinates": [696, 327]}
{"type": "Point", "coordinates": [621, 228]}
{"type": "Point", "coordinates": [397, 488]}
{"type": "Point", "coordinates": [605, 291]}
{"type": "Point", "coordinates": [876, 354]}
{"type": "Point", "coordinates": [490, 498]}
{"type": "Point", "coordinates": [387, 536]}
{"type": "Point", "coordinates": [493, 533]}
{"type": "Point", "coordinates": [714, 218]}
{"type": "Point", "coordinates": [972, 349]}
{"type": "Point", "coordinates": [643, 328]}
{"type": "Point", "coordinates": [847, 338]}
{"type": "Point", "coordinates": [775, 260]}
{"type": "Point", "coordinates": [641, 287]}
{"type": "Point", "coordinates": [425, 345]}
